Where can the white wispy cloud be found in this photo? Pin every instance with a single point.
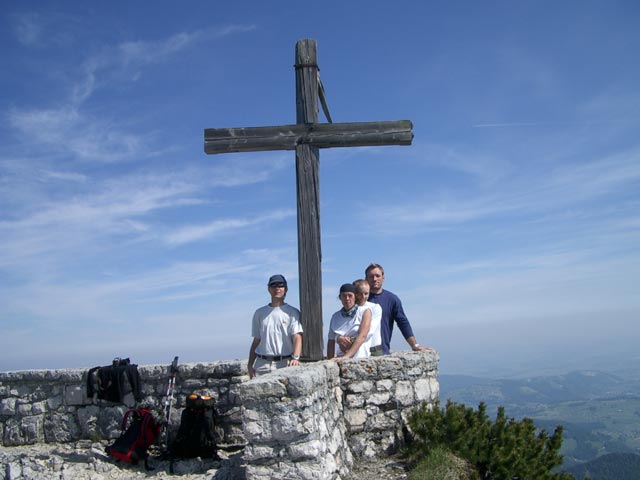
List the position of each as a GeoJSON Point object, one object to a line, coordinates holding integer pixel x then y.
{"type": "Point", "coordinates": [537, 192]}
{"type": "Point", "coordinates": [69, 130]}
{"type": "Point", "coordinates": [194, 233]}
{"type": "Point", "coordinates": [126, 61]}
{"type": "Point", "coordinates": [68, 127]}
{"type": "Point", "coordinates": [48, 216]}
{"type": "Point", "coordinates": [43, 29]}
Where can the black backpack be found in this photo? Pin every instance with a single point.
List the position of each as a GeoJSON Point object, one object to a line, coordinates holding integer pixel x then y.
{"type": "Point", "coordinates": [139, 432]}
{"type": "Point", "coordinates": [196, 435]}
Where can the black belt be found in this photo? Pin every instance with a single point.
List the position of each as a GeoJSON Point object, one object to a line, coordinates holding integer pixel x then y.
{"type": "Point", "coordinates": [275, 358]}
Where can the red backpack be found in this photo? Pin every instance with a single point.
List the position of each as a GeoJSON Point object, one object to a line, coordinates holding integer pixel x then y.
{"type": "Point", "coordinates": [142, 432]}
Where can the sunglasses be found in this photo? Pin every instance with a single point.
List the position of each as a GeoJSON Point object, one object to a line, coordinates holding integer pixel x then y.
{"type": "Point", "coordinates": [277, 285]}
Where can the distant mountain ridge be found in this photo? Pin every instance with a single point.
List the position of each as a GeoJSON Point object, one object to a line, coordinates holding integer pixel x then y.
{"type": "Point", "coordinates": [600, 412]}
{"type": "Point", "coordinates": [612, 466]}
{"type": "Point", "coordinates": [578, 385]}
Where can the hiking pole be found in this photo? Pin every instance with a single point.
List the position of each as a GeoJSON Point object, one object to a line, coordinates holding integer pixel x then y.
{"type": "Point", "coordinates": [173, 370]}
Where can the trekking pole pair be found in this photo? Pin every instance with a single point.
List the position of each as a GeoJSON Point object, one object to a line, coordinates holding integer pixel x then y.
{"type": "Point", "coordinates": [173, 370]}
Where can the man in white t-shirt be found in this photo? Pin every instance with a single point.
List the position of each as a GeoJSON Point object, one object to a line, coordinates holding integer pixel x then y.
{"type": "Point", "coordinates": [276, 332]}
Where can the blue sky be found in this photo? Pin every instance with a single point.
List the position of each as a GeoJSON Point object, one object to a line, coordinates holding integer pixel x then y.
{"type": "Point", "coordinates": [510, 228]}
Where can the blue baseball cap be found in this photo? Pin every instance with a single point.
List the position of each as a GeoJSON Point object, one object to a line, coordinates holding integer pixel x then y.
{"type": "Point", "coordinates": [277, 279]}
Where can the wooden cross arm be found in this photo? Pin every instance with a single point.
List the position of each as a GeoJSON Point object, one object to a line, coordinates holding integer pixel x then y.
{"type": "Point", "coordinates": [321, 135]}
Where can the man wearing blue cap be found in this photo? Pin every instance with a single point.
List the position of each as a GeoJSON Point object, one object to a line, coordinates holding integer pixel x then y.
{"type": "Point", "coordinates": [276, 332]}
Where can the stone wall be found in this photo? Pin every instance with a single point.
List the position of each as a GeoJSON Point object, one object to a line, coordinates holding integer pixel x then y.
{"type": "Point", "coordinates": [300, 422]}
{"type": "Point", "coordinates": [51, 406]}
{"type": "Point", "coordinates": [308, 423]}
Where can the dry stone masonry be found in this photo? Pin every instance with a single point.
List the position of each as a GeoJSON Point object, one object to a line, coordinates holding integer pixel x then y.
{"type": "Point", "coordinates": [307, 422]}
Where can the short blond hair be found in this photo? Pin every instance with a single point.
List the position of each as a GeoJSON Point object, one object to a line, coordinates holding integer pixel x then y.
{"type": "Point", "coordinates": [359, 284]}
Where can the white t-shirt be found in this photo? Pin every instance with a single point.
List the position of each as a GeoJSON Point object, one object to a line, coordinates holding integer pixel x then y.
{"type": "Point", "coordinates": [349, 327]}
{"type": "Point", "coordinates": [375, 337]}
{"type": "Point", "coordinates": [275, 327]}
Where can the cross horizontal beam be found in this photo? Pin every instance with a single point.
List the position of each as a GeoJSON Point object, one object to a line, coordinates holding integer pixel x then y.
{"type": "Point", "coordinates": [321, 135]}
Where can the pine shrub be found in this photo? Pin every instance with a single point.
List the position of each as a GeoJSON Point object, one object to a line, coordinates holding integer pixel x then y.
{"type": "Point", "coordinates": [502, 450]}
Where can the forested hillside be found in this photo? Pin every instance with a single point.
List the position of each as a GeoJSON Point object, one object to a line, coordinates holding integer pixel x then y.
{"type": "Point", "coordinates": [600, 412]}
{"type": "Point", "coordinates": [613, 466]}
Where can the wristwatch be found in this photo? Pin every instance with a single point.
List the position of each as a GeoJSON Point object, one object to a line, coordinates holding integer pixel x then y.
{"type": "Point", "coordinates": [295, 357]}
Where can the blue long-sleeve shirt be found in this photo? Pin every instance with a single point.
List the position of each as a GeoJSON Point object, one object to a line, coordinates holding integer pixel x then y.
{"type": "Point", "coordinates": [391, 312]}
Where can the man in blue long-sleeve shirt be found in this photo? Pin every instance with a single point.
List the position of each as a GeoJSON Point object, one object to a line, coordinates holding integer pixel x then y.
{"type": "Point", "coordinates": [391, 310]}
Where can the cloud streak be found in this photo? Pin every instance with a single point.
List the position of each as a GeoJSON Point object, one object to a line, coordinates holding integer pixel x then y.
{"type": "Point", "coordinates": [194, 233]}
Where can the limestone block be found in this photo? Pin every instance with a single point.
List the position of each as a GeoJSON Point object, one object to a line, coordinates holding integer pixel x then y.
{"type": "Point", "coordinates": [360, 443]}
{"type": "Point", "coordinates": [253, 453]}
{"type": "Point", "coordinates": [61, 428]}
{"type": "Point", "coordinates": [262, 388]}
{"type": "Point", "coordinates": [391, 367]}
{"type": "Point", "coordinates": [360, 386]}
{"type": "Point", "coordinates": [381, 422]}
{"type": "Point", "coordinates": [75, 395]}
{"type": "Point", "coordinates": [304, 381]}
{"type": "Point", "coordinates": [8, 406]}
{"type": "Point", "coordinates": [233, 415]}
{"type": "Point", "coordinates": [385, 385]}
{"type": "Point", "coordinates": [230, 369]}
{"type": "Point", "coordinates": [411, 360]}
{"type": "Point", "coordinates": [11, 435]}
{"type": "Point", "coordinates": [219, 384]}
{"type": "Point", "coordinates": [354, 401]}
{"type": "Point", "coordinates": [24, 391]}
{"type": "Point", "coordinates": [192, 384]}
{"type": "Point", "coordinates": [404, 393]}
{"type": "Point", "coordinates": [288, 428]}
{"type": "Point", "coordinates": [39, 407]}
{"type": "Point", "coordinates": [31, 429]}
{"type": "Point", "coordinates": [259, 472]}
{"type": "Point", "coordinates": [381, 398]}
{"type": "Point", "coordinates": [88, 420]}
{"type": "Point", "coordinates": [360, 369]}
{"type": "Point", "coordinates": [40, 393]}
{"type": "Point", "coordinates": [422, 388]}
{"type": "Point", "coordinates": [306, 451]}
{"type": "Point", "coordinates": [109, 422]}
{"type": "Point", "coordinates": [14, 470]}
{"type": "Point", "coordinates": [196, 370]}
{"type": "Point", "coordinates": [233, 396]}
{"type": "Point", "coordinates": [257, 425]}
{"type": "Point", "coordinates": [434, 386]}
{"type": "Point", "coordinates": [24, 409]}
{"type": "Point", "coordinates": [372, 410]}
{"type": "Point", "coordinates": [54, 402]}
{"type": "Point", "coordinates": [355, 419]}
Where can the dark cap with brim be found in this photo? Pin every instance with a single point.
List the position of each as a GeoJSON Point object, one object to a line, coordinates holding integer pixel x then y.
{"type": "Point", "coordinates": [277, 279]}
{"type": "Point", "coordinates": [347, 287]}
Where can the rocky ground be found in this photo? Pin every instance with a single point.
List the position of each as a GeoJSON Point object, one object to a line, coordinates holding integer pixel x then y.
{"type": "Point", "coordinates": [379, 468]}
{"type": "Point", "coordinates": [87, 461]}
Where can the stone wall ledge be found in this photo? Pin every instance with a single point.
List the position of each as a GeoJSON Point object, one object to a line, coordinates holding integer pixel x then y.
{"type": "Point", "coordinates": [306, 422]}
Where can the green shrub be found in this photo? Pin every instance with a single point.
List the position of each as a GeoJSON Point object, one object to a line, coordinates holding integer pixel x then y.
{"type": "Point", "coordinates": [440, 464]}
{"type": "Point", "coordinates": [500, 450]}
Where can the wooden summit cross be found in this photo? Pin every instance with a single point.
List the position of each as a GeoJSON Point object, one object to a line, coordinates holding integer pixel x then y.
{"type": "Point", "coordinates": [306, 137]}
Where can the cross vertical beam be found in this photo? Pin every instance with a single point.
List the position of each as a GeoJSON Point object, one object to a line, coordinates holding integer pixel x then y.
{"type": "Point", "coordinates": [308, 195]}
